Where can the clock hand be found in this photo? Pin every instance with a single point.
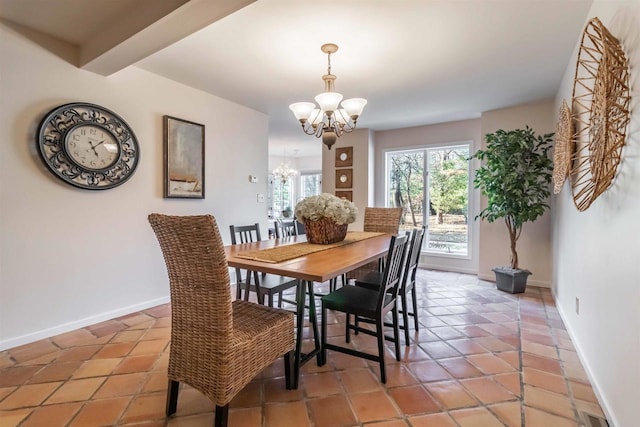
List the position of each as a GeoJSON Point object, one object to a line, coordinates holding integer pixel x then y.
{"type": "Point", "coordinates": [93, 148]}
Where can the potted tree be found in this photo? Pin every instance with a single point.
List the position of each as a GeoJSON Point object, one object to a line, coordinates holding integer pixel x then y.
{"type": "Point", "coordinates": [515, 176]}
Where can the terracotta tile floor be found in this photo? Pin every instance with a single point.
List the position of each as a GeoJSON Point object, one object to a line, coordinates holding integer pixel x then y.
{"type": "Point", "coordinates": [481, 358]}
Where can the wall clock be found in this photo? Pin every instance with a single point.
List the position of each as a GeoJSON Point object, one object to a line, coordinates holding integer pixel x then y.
{"type": "Point", "coordinates": [88, 146]}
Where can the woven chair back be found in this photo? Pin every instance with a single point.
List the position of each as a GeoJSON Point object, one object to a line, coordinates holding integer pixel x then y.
{"type": "Point", "coordinates": [383, 220]}
{"type": "Point", "coordinates": [201, 313]}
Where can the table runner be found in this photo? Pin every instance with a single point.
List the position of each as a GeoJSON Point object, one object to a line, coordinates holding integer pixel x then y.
{"type": "Point", "coordinates": [295, 250]}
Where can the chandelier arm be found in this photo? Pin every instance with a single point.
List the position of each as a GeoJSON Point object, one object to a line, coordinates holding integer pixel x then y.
{"type": "Point", "coordinates": [308, 128]}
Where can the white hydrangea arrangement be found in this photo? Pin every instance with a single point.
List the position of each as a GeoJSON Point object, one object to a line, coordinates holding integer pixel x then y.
{"type": "Point", "coordinates": [326, 205]}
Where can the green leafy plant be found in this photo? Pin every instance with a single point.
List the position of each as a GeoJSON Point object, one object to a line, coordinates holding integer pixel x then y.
{"type": "Point", "coordinates": [515, 177]}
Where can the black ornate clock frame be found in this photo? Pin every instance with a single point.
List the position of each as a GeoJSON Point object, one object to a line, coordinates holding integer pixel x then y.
{"type": "Point", "coordinates": [52, 133]}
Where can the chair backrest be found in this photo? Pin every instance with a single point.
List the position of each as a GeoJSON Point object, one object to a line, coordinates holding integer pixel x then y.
{"type": "Point", "coordinates": [300, 227]}
{"type": "Point", "coordinates": [413, 257]}
{"type": "Point", "coordinates": [286, 228]}
{"type": "Point", "coordinates": [245, 233]}
{"type": "Point", "coordinates": [201, 313]}
{"type": "Point", "coordinates": [392, 270]}
{"type": "Point", "coordinates": [383, 220]}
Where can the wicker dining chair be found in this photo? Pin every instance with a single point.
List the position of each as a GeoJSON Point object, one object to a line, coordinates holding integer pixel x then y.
{"type": "Point", "coordinates": [381, 220]}
{"type": "Point", "coordinates": [217, 346]}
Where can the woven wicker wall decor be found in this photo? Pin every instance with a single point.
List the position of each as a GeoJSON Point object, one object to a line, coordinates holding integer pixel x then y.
{"type": "Point", "coordinates": [600, 113]}
{"type": "Point", "coordinates": [563, 148]}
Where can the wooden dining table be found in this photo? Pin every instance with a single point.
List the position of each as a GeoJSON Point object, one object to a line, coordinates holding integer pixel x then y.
{"type": "Point", "coordinates": [317, 267]}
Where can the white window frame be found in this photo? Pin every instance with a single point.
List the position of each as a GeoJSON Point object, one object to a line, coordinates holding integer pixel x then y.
{"type": "Point", "coordinates": [470, 201]}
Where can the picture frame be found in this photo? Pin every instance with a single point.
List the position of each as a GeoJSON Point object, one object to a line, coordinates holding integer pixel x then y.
{"type": "Point", "coordinates": [183, 158]}
{"type": "Point", "coordinates": [344, 178]}
{"type": "Point", "coordinates": [344, 157]}
{"type": "Point", "coordinates": [345, 195]}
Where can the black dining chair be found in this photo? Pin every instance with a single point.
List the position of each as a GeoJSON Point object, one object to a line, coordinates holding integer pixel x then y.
{"type": "Point", "coordinates": [252, 281]}
{"type": "Point", "coordinates": [285, 228]}
{"type": "Point", "coordinates": [369, 304]}
{"type": "Point", "coordinates": [373, 279]}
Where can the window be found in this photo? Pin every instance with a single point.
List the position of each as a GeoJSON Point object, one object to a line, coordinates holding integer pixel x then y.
{"type": "Point", "coordinates": [432, 186]}
{"type": "Point", "coordinates": [285, 195]}
{"type": "Point", "coordinates": [310, 185]}
{"type": "Point", "coordinates": [281, 198]}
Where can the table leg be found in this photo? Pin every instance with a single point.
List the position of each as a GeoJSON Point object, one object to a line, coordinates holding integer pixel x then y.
{"type": "Point", "coordinates": [301, 358]}
{"type": "Point", "coordinates": [313, 319]}
{"type": "Point", "coordinates": [300, 291]}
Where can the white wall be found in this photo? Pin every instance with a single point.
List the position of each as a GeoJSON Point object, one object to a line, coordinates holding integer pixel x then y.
{"type": "Point", "coordinates": [465, 131]}
{"type": "Point", "coordinates": [534, 244]}
{"type": "Point", "coordinates": [596, 252]}
{"type": "Point", "coordinates": [363, 156]}
{"type": "Point", "coordinates": [72, 257]}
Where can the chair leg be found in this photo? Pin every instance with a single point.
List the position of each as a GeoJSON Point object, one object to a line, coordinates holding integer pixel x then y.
{"type": "Point", "coordinates": [396, 331]}
{"type": "Point", "coordinates": [279, 300]}
{"type": "Point", "coordinates": [415, 307]}
{"type": "Point", "coordinates": [347, 332]}
{"type": "Point", "coordinates": [322, 355]}
{"type": "Point", "coordinates": [405, 318]}
{"type": "Point", "coordinates": [288, 369]}
{"type": "Point", "coordinates": [380, 336]}
{"type": "Point", "coordinates": [222, 416]}
{"type": "Point", "coordinates": [172, 397]}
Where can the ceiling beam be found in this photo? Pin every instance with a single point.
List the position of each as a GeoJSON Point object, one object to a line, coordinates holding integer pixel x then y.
{"type": "Point", "coordinates": [148, 29]}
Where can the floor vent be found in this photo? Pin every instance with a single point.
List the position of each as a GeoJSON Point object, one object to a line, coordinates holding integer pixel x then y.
{"type": "Point", "coordinates": [590, 420]}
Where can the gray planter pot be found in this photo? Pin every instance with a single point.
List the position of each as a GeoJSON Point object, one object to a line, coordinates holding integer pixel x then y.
{"type": "Point", "coordinates": [510, 280]}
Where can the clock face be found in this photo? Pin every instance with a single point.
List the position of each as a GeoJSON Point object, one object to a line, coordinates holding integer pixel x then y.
{"type": "Point", "coordinates": [92, 147]}
{"type": "Point", "coordinates": [88, 146]}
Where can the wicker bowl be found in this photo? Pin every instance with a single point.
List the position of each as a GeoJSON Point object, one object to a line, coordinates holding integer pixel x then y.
{"type": "Point", "coordinates": [324, 231]}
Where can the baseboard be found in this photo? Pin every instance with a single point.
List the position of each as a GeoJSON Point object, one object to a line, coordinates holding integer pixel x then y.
{"type": "Point", "coordinates": [594, 384]}
{"type": "Point", "coordinates": [532, 282]}
{"type": "Point", "coordinates": [77, 324]}
{"type": "Point", "coordinates": [447, 268]}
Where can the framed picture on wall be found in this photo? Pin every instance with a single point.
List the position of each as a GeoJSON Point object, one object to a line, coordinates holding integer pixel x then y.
{"type": "Point", "coordinates": [345, 195]}
{"type": "Point", "coordinates": [344, 157]}
{"type": "Point", "coordinates": [344, 178]}
{"type": "Point", "coordinates": [183, 159]}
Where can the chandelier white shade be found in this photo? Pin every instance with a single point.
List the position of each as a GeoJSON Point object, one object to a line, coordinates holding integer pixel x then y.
{"type": "Point", "coordinates": [332, 116]}
{"type": "Point", "coordinates": [284, 172]}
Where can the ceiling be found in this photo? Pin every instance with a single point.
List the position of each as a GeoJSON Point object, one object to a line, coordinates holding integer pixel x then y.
{"type": "Point", "coordinates": [416, 61]}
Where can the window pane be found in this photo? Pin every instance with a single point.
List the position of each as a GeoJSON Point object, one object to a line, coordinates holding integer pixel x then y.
{"type": "Point", "coordinates": [441, 192]}
{"type": "Point", "coordinates": [281, 201]}
{"type": "Point", "coordinates": [406, 186]}
{"type": "Point", "coordinates": [448, 200]}
{"type": "Point", "coordinates": [310, 185]}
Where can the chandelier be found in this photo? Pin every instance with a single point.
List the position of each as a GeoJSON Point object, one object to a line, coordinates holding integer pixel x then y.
{"type": "Point", "coordinates": [330, 119]}
{"type": "Point", "coordinates": [284, 172]}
